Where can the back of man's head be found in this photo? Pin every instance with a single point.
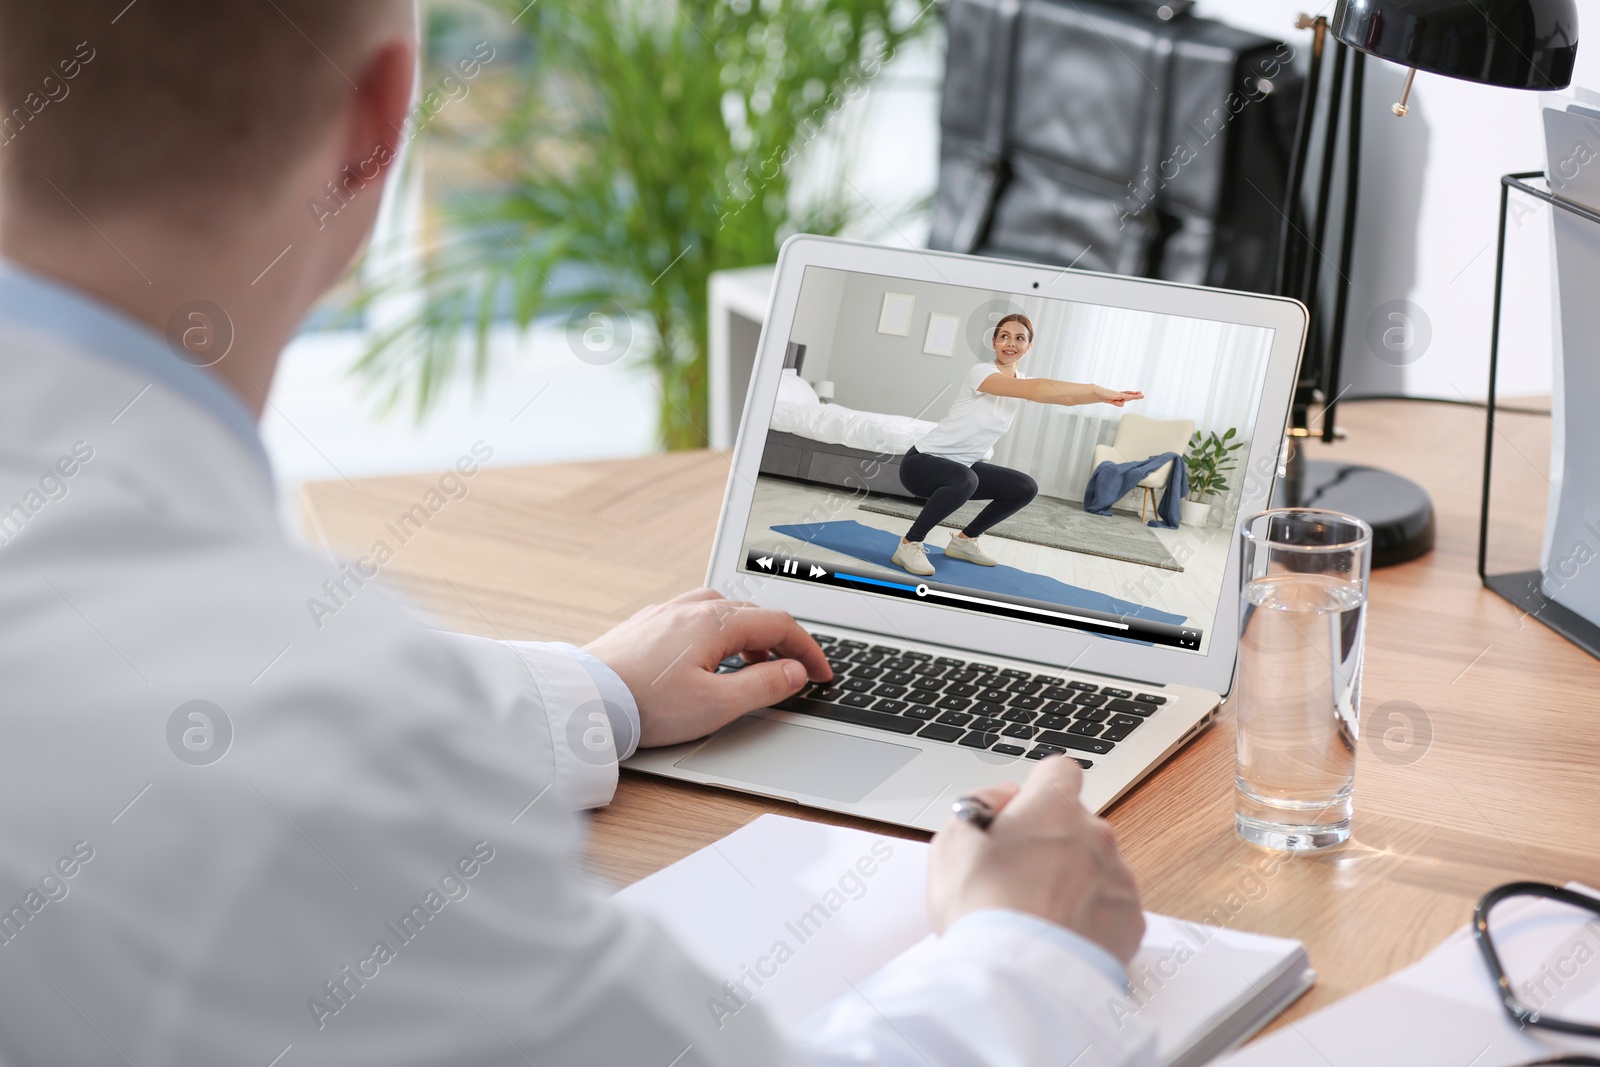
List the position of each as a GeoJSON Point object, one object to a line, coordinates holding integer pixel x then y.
{"type": "Point", "coordinates": [174, 105]}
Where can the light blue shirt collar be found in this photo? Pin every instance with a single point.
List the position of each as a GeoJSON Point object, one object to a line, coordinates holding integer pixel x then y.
{"type": "Point", "coordinates": [46, 307]}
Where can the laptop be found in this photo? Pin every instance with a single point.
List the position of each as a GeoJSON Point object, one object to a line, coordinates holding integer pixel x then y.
{"type": "Point", "coordinates": [1099, 635]}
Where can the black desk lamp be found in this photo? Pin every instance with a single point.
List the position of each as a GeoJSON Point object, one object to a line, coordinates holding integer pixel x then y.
{"type": "Point", "coordinates": [1517, 44]}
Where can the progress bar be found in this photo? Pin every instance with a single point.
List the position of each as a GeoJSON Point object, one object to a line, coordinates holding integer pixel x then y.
{"type": "Point", "coordinates": [924, 591]}
{"type": "Point", "coordinates": [918, 589]}
{"type": "Point", "coordinates": [1117, 627]}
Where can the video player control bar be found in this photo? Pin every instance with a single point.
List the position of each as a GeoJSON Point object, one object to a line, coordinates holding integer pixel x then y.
{"type": "Point", "coordinates": [1124, 626]}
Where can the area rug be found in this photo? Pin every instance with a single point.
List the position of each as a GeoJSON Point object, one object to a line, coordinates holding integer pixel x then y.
{"type": "Point", "coordinates": [1054, 523]}
{"type": "Point", "coordinates": [876, 546]}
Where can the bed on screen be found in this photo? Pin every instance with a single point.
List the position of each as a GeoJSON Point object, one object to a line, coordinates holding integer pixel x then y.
{"type": "Point", "coordinates": [831, 444]}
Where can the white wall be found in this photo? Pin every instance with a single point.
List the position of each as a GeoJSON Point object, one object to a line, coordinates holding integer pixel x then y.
{"type": "Point", "coordinates": [873, 371]}
{"type": "Point", "coordinates": [1427, 219]}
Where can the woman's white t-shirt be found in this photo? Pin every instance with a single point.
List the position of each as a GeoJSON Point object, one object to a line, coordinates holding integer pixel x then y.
{"type": "Point", "coordinates": [975, 421]}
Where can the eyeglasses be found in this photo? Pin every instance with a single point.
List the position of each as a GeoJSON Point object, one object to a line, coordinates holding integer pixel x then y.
{"type": "Point", "coordinates": [1529, 1002]}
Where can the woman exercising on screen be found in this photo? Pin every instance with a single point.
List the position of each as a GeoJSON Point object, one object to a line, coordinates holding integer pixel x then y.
{"type": "Point", "coordinates": [947, 467]}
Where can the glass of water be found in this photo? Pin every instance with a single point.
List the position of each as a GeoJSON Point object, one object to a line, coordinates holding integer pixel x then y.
{"type": "Point", "coordinates": [1302, 625]}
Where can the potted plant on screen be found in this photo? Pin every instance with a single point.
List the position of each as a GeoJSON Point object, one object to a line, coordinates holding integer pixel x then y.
{"type": "Point", "coordinates": [1209, 458]}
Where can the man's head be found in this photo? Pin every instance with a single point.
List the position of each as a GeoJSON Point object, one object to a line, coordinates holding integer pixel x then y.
{"type": "Point", "coordinates": [159, 151]}
{"type": "Point", "coordinates": [110, 106]}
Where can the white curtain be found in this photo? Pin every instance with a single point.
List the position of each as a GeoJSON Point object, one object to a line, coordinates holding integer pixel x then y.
{"type": "Point", "coordinates": [1197, 369]}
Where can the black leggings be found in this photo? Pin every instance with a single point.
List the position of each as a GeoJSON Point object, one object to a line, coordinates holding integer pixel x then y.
{"type": "Point", "coordinates": [946, 485]}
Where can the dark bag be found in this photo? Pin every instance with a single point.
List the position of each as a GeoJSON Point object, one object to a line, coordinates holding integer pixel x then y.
{"type": "Point", "coordinates": [1102, 135]}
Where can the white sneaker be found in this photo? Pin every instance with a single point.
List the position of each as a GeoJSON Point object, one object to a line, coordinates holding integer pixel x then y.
{"type": "Point", "coordinates": [911, 556]}
{"type": "Point", "coordinates": [967, 548]}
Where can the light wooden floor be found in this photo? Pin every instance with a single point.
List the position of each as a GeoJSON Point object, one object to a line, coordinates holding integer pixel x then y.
{"type": "Point", "coordinates": [1192, 593]}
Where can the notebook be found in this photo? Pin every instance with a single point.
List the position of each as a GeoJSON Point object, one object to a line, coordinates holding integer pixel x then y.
{"type": "Point", "coordinates": [844, 902]}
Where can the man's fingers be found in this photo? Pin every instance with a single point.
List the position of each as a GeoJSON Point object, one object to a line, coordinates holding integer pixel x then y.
{"type": "Point", "coordinates": [752, 627]}
{"type": "Point", "coordinates": [1054, 783]}
{"type": "Point", "coordinates": [689, 596]}
{"type": "Point", "coordinates": [759, 685]}
{"type": "Point", "coordinates": [695, 596]}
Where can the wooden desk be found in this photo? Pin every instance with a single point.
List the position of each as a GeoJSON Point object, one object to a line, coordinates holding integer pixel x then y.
{"type": "Point", "coordinates": [1506, 787]}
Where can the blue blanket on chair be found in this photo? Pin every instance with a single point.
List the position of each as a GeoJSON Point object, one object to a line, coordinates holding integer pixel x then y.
{"type": "Point", "coordinates": [1110, 482]}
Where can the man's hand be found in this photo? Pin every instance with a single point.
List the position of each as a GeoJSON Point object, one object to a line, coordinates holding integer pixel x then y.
{"type": "Point", "coordinates": [667, 655]}
{"type": "Point", "coordinates": [1044, 855]}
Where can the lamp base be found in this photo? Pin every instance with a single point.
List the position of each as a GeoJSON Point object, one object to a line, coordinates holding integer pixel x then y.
{"type": "Point", "coordinates": [1398, 509]}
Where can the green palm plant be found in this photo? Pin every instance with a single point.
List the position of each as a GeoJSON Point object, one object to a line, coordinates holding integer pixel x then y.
{"type": "Point", "coordinates": [650, 146]}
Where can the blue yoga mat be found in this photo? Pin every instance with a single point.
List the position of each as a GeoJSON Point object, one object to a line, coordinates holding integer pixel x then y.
{"type": "Point", "coordinates": [876, 546]}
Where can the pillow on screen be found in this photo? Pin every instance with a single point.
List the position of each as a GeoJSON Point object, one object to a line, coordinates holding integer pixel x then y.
{"type": "Point", "coordinates": [793, 389]}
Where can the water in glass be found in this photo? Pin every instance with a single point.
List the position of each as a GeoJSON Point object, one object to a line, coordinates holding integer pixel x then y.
{"type": "Point", "coordinates": [1299, 694]}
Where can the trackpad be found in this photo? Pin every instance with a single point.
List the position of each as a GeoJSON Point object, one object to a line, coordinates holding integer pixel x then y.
{"type": "Point", "coordinates": [799, 759]}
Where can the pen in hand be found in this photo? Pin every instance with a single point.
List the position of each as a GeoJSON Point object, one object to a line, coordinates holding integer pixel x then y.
{"type": "Point", "coordinates": [974, 810]}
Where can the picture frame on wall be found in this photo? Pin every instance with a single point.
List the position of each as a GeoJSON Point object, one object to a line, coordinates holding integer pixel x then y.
{"type": "Point", "coordinates": [895, 317]}
{"type": "Point", "coordinates": [943, 328]}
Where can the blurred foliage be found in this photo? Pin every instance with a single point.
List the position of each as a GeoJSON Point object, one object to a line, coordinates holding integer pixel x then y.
{"type": "Point", "coordinates": [641, 146]}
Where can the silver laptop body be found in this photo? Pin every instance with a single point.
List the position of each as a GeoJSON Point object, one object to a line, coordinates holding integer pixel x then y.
{"type": "Point", "coordinates": [1118, 667]}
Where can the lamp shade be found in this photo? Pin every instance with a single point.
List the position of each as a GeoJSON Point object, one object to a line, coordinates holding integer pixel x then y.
{"type": "Point", "coordinates": [1516, 44]}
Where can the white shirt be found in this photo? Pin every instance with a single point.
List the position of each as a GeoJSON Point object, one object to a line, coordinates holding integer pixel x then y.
{"type": "Point", "coordinates": [975, 420]}
{"type": "Point", "coordinates": [366, 855]}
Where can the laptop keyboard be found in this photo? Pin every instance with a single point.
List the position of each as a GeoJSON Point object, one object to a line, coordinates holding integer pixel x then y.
{"type": "Point", "coordinates": [1007, 711]}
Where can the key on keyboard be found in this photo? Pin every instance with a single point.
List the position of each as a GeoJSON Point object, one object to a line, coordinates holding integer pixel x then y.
{"type": "Point", "coordinates": [1097, 745]}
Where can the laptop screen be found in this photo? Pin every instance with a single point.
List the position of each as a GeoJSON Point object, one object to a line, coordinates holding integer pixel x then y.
{"type": "Point", "coordinates": [1051, 461]}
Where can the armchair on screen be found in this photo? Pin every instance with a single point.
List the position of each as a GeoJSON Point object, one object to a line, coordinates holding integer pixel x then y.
{"type": "Point", "coordinates": [1140, 437]}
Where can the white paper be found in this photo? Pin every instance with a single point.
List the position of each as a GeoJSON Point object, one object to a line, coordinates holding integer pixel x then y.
{"type": "Point", "coordinates": [1444, 1012]}
{"type": "Point", "coordinates": [796, 909]}
{"type": "Point", "coordinates": [733, 904]}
